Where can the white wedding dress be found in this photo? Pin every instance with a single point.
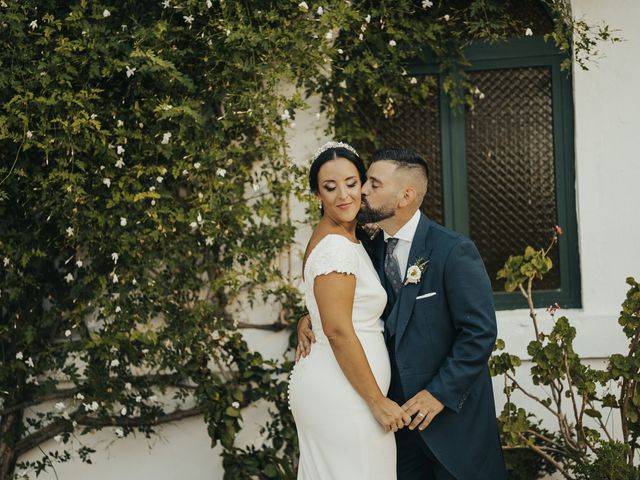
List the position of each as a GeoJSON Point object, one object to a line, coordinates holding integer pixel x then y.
{"type": "Point", "coordinates": [339, 437]}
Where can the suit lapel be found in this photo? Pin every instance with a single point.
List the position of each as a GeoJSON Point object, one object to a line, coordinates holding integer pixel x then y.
{"type": "Point", "coordinates": [408, 293]}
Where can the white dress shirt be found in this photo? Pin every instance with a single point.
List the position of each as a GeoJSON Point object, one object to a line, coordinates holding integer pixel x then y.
{"type": "Point", "coordinates": [405, 238]}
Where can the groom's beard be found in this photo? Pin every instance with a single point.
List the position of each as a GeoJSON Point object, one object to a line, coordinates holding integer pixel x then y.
{"type": "Point", "coordinates": [367, 214]}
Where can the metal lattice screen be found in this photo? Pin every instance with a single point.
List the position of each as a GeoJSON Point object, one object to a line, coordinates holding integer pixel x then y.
{"type": "Point", "coordinates": [417, 128]}
{"type": "Point", "coordinates": [510, 166]}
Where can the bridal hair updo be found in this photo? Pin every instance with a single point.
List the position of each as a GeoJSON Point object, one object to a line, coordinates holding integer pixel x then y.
{"type": "Point", "coordinates": [328, 153]}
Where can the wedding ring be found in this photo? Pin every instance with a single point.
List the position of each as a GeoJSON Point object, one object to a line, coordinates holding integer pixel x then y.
{"type": "Point", "coordinates": [420, 414]}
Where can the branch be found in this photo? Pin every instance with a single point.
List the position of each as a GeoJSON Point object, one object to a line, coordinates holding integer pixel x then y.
{"type": "Point", "coordinates": [548, 458]}
{"type": "Point", "coordinates": [271, 327]}
{"type": "Point", "coordinates": [59, 426]}
{"type": "Point", "coordinates": [57, 395]}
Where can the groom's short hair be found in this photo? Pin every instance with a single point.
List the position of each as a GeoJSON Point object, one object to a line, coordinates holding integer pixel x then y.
{"type": "Point", "coordinates": [403, 157]}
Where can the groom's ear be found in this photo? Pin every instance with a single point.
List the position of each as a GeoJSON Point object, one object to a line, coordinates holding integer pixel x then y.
{"type": "Point", "coordinates": [408, 196]}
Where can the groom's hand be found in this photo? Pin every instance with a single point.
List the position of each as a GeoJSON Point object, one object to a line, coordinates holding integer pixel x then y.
{"type": "Point", "coordinates": [425, 407]}
{"type": "Point", "coordinates": [305, 337]}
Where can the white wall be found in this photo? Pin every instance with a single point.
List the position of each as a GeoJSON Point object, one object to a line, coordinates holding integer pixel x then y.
{"type": "Point", "coordinates": [607, 122]}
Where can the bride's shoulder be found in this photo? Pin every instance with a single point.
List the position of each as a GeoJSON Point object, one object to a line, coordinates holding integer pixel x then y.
{"type": "Point", "coordinates": [329, 241]}
{"type": "Point", "coordinates": [331, 252]}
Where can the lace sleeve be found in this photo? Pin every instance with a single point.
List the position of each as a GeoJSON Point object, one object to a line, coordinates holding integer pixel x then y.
{"type": "Point", "coordinates": [334, 253]}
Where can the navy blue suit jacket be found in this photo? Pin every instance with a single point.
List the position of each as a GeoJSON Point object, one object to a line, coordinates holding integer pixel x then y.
{"type": "Point", "coordinates": [442, 343]}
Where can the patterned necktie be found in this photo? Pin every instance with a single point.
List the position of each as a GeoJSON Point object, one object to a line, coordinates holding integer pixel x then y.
{"type": "Point", "coordinates": [391, 267]}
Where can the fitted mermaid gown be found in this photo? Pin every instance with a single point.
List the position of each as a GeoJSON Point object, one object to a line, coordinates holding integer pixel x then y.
{"type": "Point", "coordinates": [339, 437]}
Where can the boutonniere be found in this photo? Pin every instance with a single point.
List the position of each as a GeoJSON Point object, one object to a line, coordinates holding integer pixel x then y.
{"type": "Point", "coordinates": [415, 271]}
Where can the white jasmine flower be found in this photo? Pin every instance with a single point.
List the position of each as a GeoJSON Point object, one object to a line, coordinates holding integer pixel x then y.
{"type": "Point", "coordinates": [193, 225]}
{"type": "Point", "coordinates": [58, 438]}
{"type": "Point", "coordinates": [79, 396]}
{"type": "Point", "coordinates": [152, 188]}
{"type": "Point", "coordinates": [153, 398]}
{"type": "Point", "coordinates": [285, 115]}
{"type": "Point", "coordinates": [127, 386]}
{"type": "Point", "coordinates": [138, 399]}
{"type": "Point", "coordinates": [447, 17]}
{"type": "Point", "coordinates": [167, 107]}
{"type": "Point", "coordinates": [196, 165]}
{"type": "Point", "coordinates": [159, 179]}
{"type": "Point", "coordinates": [320, 11]}
{"type": "Point", "coordinates": [188, 19]}
{"type": "Point", "coordinates": [115, 362]}
{"type": "Point", "coordinates": [166, 137]}
{"type": "Point", "coordinates": [209, 4]}
{"type": "Point", "coordinates": [118, 309]}
{"type": "Point", "coordinates": [427, 4]}
{"type": "Point", "coordinates": [130, 71]}
{"type": "Point", "coordinates": [199, 218]}
{"type": "Point", "coordinates": [114, 278]}
{"type": "Point", "coordinates": [3, 4]}
{"type": "Point", "coordinates": [123, 411]}
{"type": "Point", "coordinates": [115, 257]}
{"type": "Point", "coordinates": [67, 333]}
{"type": "Point", "coordinates": [66, 415]}
{"type": "Point", "coordinates": [221, 172]}
{"type": "Point", "coordinates": [74, 423]}
{"type": "Point", "coordinates": [29, 134]}
{"type": "Point", "coordinates": [343, 84]}
{"type": "Point", "coordinates": [361, 37]}
{"type": "Point", "coordinates": [134, 281]}
{"type": "Point", "coordinates": [208, 241]}
{"type": "Point", "coordinates": [185, 172]}
{"type": "Point", "coordinates": [94, 406]}
{"type": "Point", "coordinates": [340, 51]}
{"type": "Point", "coordinates": [69, 231]}
{"type": "Point", "coordinates": [29, 362]}
{"type": "Point", "coordinates": [32, 379]}
{"type": "Point", "coordinates": [153, 202]}
{"type": "Point", "coordinates": [367, 18]}
{"type": "Point", "coordinates": [120, 150]}
{"type": "Point", "coordinates": [60, 406]}
{"type": "Point", "coordinates": [166, 4]}
{"type": "Point", "coordinates": [123, 222]}
{"type": "Point", "coordinates": [106, 13]}
{"type": "Point", "coordinates": [235, 405]}
{"type": "Point", "coordinates": [69, 277]}
{"type": "Point", "coordinates": [413, 80]}
{"type": "Point", "coordinates": [6, 261]}
{"type": "Point", "coordinates": [93, 116]}
{"type": "Point", "coordinates": [119, 123]}
{"type": "Point", "coordinates": [107, 182]}
{"type": "Point", "coordinates": [304, 6]}
{"type": "Point", "coordinates": [392, 43]}
{"type": "Point", "coordinates": [200, 196]}
{"type": "Point", "coordinates": [528, 32]}
{"type": "Point", "coordinates": [328, 35]}
{"type": "Point", "coordinates": [79, 264]}
{"type": "Point", "coordinates": [34, 25]}
{"type": "Point", "coordinates": [119, 433]}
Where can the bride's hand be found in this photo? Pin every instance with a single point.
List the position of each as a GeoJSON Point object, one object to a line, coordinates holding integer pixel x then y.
{"type": "Point", "coordinates": [305, 337]}
{"type": "Point", "coordinates": [389, 414]}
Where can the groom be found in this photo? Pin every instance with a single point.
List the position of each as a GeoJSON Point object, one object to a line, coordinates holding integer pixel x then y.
{"type": "Point", "coordinates": [440, 328]}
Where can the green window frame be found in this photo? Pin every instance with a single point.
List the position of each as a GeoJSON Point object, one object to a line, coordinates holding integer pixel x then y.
{"type": "Point", "coordinates": [516, 53]}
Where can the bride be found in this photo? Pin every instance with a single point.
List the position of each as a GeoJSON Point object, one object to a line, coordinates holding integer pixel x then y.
{"type": "Point", "coordinates": [337, 393]}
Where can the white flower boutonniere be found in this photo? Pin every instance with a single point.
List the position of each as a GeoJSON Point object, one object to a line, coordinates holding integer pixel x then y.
{"type": "Point", "coordinates": [415, 271]}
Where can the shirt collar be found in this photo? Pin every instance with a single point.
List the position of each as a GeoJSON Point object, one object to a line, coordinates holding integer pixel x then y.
{"type": "Point", "coordinates": [408, 230]}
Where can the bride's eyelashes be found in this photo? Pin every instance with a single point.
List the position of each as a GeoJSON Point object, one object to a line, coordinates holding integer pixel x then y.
{"type": "Point", "coordinates": [331, 189]}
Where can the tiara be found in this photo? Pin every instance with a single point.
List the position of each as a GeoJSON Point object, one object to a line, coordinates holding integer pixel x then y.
{"type": "Point", "coordinates": [330, 145]}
